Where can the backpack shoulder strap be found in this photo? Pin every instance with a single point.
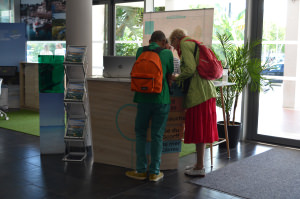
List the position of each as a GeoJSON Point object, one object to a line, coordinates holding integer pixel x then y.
{"type": "Point", "coordinates": [197, 43]}
{"type": "Point", "coordinates": [146, 48]}
{"type": "Point", "coordinates": [157, 50]}
{"type": "Point", "coordinates": [195, 51]}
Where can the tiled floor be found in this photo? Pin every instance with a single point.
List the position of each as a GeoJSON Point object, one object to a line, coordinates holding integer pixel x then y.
{"type": "Point", "coordinates": [26, 174]}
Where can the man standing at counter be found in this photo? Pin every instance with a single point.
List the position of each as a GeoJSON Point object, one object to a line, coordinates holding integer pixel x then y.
{"type": "Point", "coordinates": [154, 107]}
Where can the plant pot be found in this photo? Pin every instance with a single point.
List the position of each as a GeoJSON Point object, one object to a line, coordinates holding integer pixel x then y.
{"type": "Point", "coordinates": [233, 133]}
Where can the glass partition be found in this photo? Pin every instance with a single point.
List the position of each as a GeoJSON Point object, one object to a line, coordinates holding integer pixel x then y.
{"type": "Point", "coordinates": [99, 38]}
{"type": "Point", "coordinates": [7, 11]}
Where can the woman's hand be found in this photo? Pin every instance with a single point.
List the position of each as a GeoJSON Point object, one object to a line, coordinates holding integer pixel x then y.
{"type": "Point", "coordinates": [174, 76]}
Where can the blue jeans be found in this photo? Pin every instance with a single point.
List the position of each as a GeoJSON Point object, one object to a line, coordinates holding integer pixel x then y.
{"type": "Point", "coordinates": [158, 114]}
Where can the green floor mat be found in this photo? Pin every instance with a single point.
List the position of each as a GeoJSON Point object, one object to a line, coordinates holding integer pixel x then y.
{"type": "Point", "coordinates": [24, 121]}
{"type": "Point", "coordinates": [187, 149]}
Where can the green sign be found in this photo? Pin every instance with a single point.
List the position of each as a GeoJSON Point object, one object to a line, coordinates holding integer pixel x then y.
{"type": "Point", "coordinates": [176, 17]}
{"type": "Point", "coordinates": [51, 74]}
{"type": "Point", "coordinates": [149, 27]}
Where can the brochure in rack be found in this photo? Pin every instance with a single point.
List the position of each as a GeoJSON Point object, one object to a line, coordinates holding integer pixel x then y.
{"type": "Point", "coordinates": [75, 128]}
{"type": "Point", "coordinates": [75, 54]}
{"type": "Point", "coordinates": [75, 91]}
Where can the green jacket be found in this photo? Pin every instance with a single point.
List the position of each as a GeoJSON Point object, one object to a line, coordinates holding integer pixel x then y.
{"type": "Point", "coordinates": [200, 89]}
{"type": "Point", "coordinates": [166, 58]}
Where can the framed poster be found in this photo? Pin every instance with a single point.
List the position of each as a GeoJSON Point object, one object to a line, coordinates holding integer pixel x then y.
{"type": "Point", "coordinates": [45, 19]}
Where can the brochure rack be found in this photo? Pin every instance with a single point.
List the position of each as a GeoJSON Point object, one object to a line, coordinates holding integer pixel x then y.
{"type": "Point", "coordinates": [76, 103]}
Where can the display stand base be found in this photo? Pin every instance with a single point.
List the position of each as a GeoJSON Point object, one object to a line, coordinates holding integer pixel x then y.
{"type": "Point", "coordinates": [72, 153]}
{"type": "Point", "coordinates": [74, 157]}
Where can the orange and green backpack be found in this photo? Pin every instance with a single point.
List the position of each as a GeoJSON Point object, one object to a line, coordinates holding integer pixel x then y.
{"type": "Point", "coordinates": [147, 74]}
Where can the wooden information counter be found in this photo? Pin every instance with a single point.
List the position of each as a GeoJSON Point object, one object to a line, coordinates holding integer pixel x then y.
{"type": "Point", "coordinates": [113, 114]}
{"type": "Point", "coordinates": [29, 86]}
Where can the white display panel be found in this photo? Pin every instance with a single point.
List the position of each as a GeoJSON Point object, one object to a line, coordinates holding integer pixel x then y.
{"type": "Point", "coordinates": [197, 23]}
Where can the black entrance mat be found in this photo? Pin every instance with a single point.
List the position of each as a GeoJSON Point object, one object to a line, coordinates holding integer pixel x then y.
{"type": "Point", "coordinates": [272, 174]}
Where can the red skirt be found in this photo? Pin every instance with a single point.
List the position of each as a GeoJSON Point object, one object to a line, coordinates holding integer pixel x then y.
{"type": "Point", "coordinates": [201, 123]}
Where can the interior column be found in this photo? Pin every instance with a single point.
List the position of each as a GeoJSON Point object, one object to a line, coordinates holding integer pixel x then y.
{"type": "Point", "coordinates": [79, 26]}
{"type": "Point", "coordinates": [291, 61]}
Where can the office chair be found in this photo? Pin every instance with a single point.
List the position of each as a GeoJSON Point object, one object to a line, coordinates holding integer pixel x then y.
{"type": "Point", "coordinates": [2, 106]}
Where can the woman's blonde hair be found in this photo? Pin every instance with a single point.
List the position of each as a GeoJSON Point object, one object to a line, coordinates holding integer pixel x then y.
{"type": "Point", "coordinates": [177, 33]}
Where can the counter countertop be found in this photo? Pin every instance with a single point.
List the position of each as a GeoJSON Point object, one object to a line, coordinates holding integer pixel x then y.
{"type": "Point", "coordinates": [109, 79]}
{"type": "Point", "coordinates": [115, 79]}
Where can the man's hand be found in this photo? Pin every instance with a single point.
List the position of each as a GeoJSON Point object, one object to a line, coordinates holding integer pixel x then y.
{"type": "Point", "coordinates": [169, 79]}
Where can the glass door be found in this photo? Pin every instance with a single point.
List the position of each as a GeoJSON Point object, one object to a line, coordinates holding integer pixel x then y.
{"type": "Point", "coordinates": [279, 107]}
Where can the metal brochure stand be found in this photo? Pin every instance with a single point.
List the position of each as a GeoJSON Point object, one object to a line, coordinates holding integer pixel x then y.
{"type": "Point", "coordinates": [76, 104]}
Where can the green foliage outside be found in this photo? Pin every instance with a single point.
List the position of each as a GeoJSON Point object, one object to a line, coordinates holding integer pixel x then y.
{"type": "Point", "coordinates": [272, 32]}
{"type": "Point", "coordinates": [159, 9]}
{"type": "Point", "coordinates": [224, 23]}
{"type": "Point", "coordinates": [129, 30]}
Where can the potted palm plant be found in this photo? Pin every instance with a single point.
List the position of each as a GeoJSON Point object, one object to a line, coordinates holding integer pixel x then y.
{"type": "Point", "coordinates": [244, 69]}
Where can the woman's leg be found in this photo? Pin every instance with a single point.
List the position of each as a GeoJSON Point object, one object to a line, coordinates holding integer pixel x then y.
{"type": "Point", "coordinates": [200, 149]}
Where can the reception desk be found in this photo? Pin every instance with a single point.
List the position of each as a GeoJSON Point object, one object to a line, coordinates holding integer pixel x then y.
{"type": "Point", "coordinates": [112, 113]}
{"type": "Point", "coordinates": [29, 86]}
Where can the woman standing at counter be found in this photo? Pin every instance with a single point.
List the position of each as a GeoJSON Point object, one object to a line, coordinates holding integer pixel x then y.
{"type": "Point", "coordinates": [200, 101]}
